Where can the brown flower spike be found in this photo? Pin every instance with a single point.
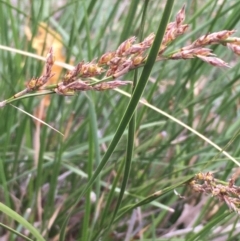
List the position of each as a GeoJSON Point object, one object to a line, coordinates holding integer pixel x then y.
{"type": "Point", "coordinates": [131, 55]}
{"type": "Point", "coordinates": [229, 193]}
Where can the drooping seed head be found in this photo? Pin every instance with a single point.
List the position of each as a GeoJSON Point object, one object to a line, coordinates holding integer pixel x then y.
{"type": "Point", "coordinates": [214, 61]}
{"type": "Point", "coordinates": [191, 53]}
{"type": "Point", "coordinates": [213, 38]}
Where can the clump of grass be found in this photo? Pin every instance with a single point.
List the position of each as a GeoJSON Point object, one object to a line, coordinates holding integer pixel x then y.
{"type": "Point", "coordinates": [78, 204]}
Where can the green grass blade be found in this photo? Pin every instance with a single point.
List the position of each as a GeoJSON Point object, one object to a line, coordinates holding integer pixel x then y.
{"type": "Point", "coordinates": [131, 132]}
{"type": "Point", "coordinates": [136, 95]}
{"type": "Point", "coordinates": [137, 92]}
{"type": "Point", "coordinates": [9, 212]}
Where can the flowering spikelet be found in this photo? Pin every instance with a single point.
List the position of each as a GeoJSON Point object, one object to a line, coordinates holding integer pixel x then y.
{"type": "Point", "coordinates": [71, 75]}
{"type": "Point", "coordinates": [213, 38]}
{"type": "Point", "coordinates": [141, 47]}
{"type": "Point", "coordinates": [229, 193]}
{"type": "Point", "coordinates": [123, 68]}
{"type": "Point", "coordinates": [90, 70]}
{"type": "Point", "coordinates": [114, 65]}
{"type": "Point", "coordinates": [131, 55]}
{"type": "Point", "coordinates": [180, 17]}
{"type": "Point", "coordinates": [191, 53]}
{"type": "Point", "coordinates": [148, 41]}
{"type": "Point", "coordinates": [136, 48]}
{"type": "Point", "coordinates": [137, 60]}
{"type": "Point", "coordinates": [173, 30]}
{"type": "Point", "coordinates": [234, 47]}
{"type": "Point", "coordinates": [213, 61]}
{"type": "Point", "coordinates": [106, 58]}
{"type": "Point", "coordinates": [71, 88]}
{"type": "Point", "coordinates": [110, 85]}
{"type": "Point", "coordinates": [127, 56]}
{"type": "Point", "coordinates": [123, 48]}
{"type": "Point", "coordinates": [36, 83]}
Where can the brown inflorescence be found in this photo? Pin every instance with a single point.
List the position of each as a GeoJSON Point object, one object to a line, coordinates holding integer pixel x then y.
{"type": "Point", "coordinates": [229, 193]}
{"type": "Point", "coordinates": [173, 30]}
{"type": "Point", "coordinates": [131, 55]}
{"type": "Point", "coordinates": [196, 49]}
{"type": "Point", "coordinates": [36, 83]}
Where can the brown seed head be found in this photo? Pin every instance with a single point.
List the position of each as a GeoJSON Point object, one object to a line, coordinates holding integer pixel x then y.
{"type": "Point", "coordinates": [191, 53]}
{"type": "Point", "coordinates": [181, 29]}
{"type": "Point", "coordinates": [235, 48]}
{"type": "Point", "coordinates": [110, 85]}
{"type": "Point", "coordinates": [148, 41]}
{"type": "Point", "coordinates": [214, 61]}
{"type": "Point", "coordinates": [213, 38]}
{"type": "Point", "coordinates": [90, 70]}
{"type": "Point", "coordinates": [137, 60]}
{"type": "Point", "coordinates": [116, 60]}
{"type": "Point", "coordinates": [106, 58]}
{"type": "Point", "coordinates": [50, 57]}
{"type": "Point", "coordinates": [136, 49]}
{"type": "Point", "coordinates": [71, 75]}
{"type": "Point", "coordinates": [122, 49]}
{"type": "Point", "coordinates": [71, 88]}
{"type": "Point", "coordinates": [180, 17]}
{"type": "Point", "coordinates": [32, 83]}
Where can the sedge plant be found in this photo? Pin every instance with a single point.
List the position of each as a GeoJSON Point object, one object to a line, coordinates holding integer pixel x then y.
{"type": "Point", "coordinates": [93, 209]}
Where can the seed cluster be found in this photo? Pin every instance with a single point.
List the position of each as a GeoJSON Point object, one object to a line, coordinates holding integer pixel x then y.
{"type": "Point", "coordinates": [131, 55]}
{"type": "Point", "coordinates": [229, 193]}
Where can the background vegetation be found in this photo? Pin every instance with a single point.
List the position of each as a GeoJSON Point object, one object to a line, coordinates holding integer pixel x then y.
{"type": "Point", "coordinates": [139, 194]}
